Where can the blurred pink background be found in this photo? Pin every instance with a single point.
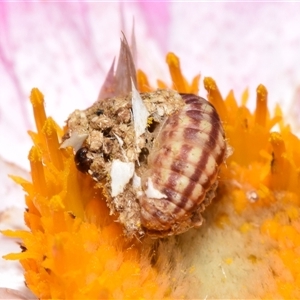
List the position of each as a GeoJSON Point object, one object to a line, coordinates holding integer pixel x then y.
{"type": "Point", "coordinates": [65, 49]}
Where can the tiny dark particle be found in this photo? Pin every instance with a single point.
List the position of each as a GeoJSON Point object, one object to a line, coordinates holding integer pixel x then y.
{"type": "Point", "coordinates": [82, 162]}
{"type": "Point", "coordinates": [152, 126]}
{"type": "Point", "coordinates": [71, 215]}
{"type": "Point", "coordinates": [106, 132]}
{"type": "Point", "coordinates": [99, 112]}
{"type": "Point", "coordinates": [23, 248]}
{"type": "Point", "coordinates": [143, 155]}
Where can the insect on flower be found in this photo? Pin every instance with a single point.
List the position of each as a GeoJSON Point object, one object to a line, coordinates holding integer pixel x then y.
{"type": "Point", "coordinates": [183, 166]}
{"type": "Point", "coordinates": [157, 155]}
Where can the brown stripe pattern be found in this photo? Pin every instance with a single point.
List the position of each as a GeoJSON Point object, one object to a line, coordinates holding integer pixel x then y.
{"type": "Point", "coordinates": [183, 166]}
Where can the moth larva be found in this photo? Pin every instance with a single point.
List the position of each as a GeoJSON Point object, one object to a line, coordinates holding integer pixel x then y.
{"type": "Point", "coordinates": [163, 178]}
{"type": "Point", "coordinates": [183, 166]}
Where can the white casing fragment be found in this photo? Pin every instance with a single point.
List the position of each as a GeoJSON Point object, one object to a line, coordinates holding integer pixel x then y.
{"type": "Point", "coordinates": [137, 184]}
{"type": "Point", "coordinates": [120, 173]}
{"type": "Point", "coordinates": [120, 141]}
{"type": "Point", "coordinates": [152, 192]}
{"type": "Point", "coordinates": [140, 113]}
{"type": "Point", "coordinates": [76, 140]}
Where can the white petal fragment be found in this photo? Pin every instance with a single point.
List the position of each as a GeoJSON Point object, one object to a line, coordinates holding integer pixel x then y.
{"type": "Point", "coordinates": [7, 293]}
{"type": "Point", "coordinates": [76, 140]}
{"type": "Point", "coordinates": [120, 173]}
{"type": "Point", "coordinates": [140, 112]}
{"type": "Point", "coordinates": [152, 192]}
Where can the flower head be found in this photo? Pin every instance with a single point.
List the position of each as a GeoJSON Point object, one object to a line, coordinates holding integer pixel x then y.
{"type": "Point", "coordinates": [75, 249]}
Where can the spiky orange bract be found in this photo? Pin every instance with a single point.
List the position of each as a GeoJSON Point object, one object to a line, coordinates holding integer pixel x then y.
{"type": "Point", "coordinates": [75, 249]}
{"type": "Point", "coordinates": [260, 178]}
